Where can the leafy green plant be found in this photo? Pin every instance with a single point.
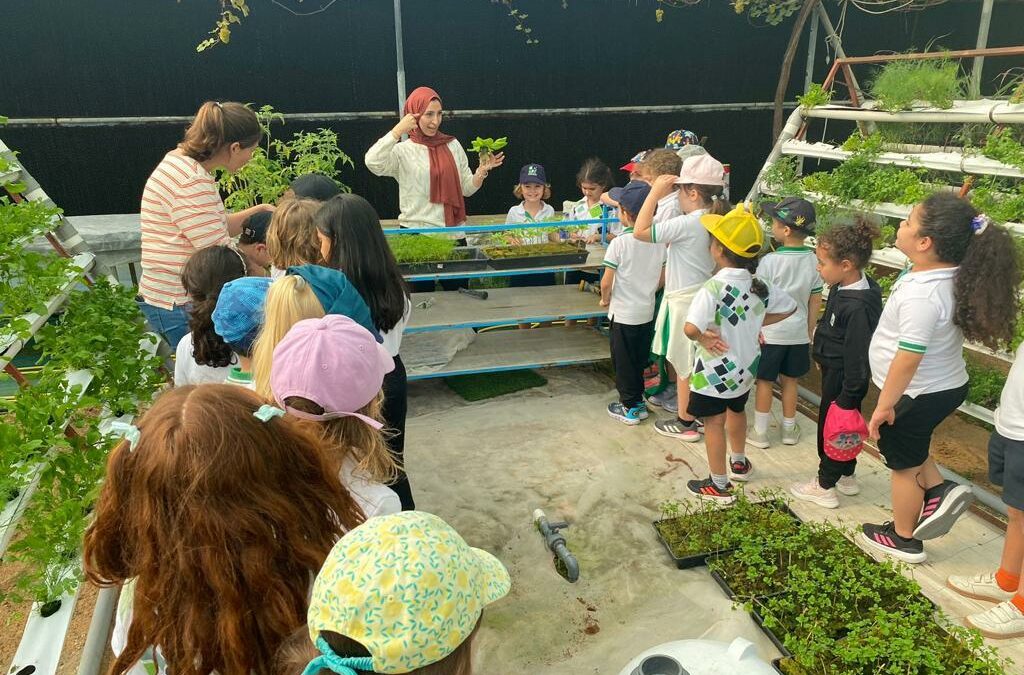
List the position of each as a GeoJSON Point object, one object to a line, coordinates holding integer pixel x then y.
{"type": "Point", "coordinates": [530, 250]}
{"type": "Point", "coordinates": [487, 146]}
{"type": "Point", "coordinates": [418, 248]}
{"type": "Point", "coordinates": [772, 12]}
{"type": "Point", "coordinates": [838, 611]}
{"type": "Point", "coordinates": [694, 528]}
{"type": "Point", "coordinates": [1002, 146]}
{"type": "Point", "coordinates": [999, 199]}
{"type": "Point", "coordinates": [816, 95]}
{"type": "Point", "coordinates": [900, 84]}
{"type": "Point", "coordinates": [101, 330]}
{"type": "Point", "coordinates": [986, 385]}
{"type": "Point", "coordinates": [278, 162]}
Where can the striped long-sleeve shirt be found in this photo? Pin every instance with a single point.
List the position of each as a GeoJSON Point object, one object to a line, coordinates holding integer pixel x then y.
{"type": "Point", "coordinates": [181, 213]}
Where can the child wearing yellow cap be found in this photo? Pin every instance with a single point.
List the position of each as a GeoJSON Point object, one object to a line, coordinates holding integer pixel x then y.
{"type": "Point", "coordinates": [724, 319]}
{"type": "Point", "coordinates": [402, 593]}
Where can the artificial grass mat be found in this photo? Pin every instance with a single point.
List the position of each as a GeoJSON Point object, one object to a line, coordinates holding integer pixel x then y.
{"type": "Point", "coordinates": [488, 385]}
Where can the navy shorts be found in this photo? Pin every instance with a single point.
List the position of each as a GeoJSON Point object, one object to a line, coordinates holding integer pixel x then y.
{"type": "Point", "coordinates": [702, 405]}
{"type": "Point", "coordinates": [788, 360]}
{"type": "Point", "coordinates": [1006, 468]}
{"type": "Point", "coordinates": [904, 443]}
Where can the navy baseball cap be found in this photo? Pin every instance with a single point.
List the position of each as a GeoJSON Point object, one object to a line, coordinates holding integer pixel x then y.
{"type": "Point", "coordinates": [314, 186]}
{"type": "Point", "coordinates": [631, 197]}
{"type": "Point", "coordinates": [254, 229]}
{"type": "Point", "coordinates": [532, 174]}
{"type": "Point", "coordinates": [794, 212]}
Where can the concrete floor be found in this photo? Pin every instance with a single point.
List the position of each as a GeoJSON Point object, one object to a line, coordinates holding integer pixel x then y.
{"type": "Point", "coordinates": [486, 466]}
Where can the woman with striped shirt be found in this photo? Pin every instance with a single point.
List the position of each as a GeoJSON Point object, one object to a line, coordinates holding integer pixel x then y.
{"type": "Point", "coordinates": [182, 210]}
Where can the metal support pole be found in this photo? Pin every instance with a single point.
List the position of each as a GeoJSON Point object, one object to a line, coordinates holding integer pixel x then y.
{"type": "Point", "coordinates": [400, 57]}
{"type": "Point", "coordinates": [837, 42]}
{"type": "Point", "coordinates": [979, 61]}
{"type": "Point", "coordinates": [812, 46]}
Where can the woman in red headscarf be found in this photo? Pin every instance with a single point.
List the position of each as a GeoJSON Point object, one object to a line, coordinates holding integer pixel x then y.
{"type": "Point", "coordinates": [431, 167]}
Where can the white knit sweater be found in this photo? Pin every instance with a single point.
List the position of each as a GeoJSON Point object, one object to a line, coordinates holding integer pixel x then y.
{"type": "Point", "coordinates": [409, 164]}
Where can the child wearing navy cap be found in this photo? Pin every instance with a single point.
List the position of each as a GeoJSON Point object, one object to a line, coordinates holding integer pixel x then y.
{"type": "Point", "coordinates": [252, 243]}
{"type": "Point", "coordinates": [532, 189]}
{"type": "Point", "coordinates": [632, 276]}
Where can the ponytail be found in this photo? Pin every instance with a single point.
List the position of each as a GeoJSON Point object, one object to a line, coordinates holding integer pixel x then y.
{"type": "Point", "coordinates": [757, 286]}
{"type": "Point", "coordinates": [988, 281]}
{"type": "Point", "coordinates": [713, 198]}
{"type": "Point", "coordinates": [203, 276]}
{"type": "Point", "coordinates": [218, 124]}
{"type": "Point", "coordinates": [290, 300]}
{"type": "Point", "coordinates": [853, 242]}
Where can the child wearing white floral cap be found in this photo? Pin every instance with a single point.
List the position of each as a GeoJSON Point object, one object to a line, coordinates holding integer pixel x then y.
{"type": "Point", "coordinates": [402, 593]}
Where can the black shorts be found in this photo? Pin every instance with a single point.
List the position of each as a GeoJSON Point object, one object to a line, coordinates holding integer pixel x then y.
{"type": "Point", "coordinates": [904, 443]}
{"type": "Point", "coordinates": [702, 405]}
{"type": "Point", "coordinates": [1006, 468]}
{"type": "Point", "coordinates": [788, 360]}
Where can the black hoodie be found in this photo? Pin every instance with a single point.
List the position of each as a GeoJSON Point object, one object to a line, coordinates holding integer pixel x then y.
{"type": "Point", "coordinates": [843, 335]}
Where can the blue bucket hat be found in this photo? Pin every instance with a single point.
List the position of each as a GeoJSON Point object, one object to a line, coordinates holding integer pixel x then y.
{"type": "Point", "coordinates": [337, 295]}
{"type": "Point", "coordinates": [238, 316]}
{"type": "Point", "coordinates": [533, 174]}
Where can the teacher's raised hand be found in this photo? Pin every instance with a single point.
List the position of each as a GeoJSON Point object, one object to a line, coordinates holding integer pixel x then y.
{"type": "Point", "coordinates": [492, 162]}
{"type": "Point", "coordinates": [405, 126]}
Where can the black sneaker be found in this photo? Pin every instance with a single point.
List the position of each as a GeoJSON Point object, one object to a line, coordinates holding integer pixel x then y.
{"type": "Point", "coordinates": [677, 428]}
{"type": "Point", "coordinates": [943, 504]}
{"type": "Point", "coordinates": [706, 489]}
{"type": "Point", "coordinates": [739, 470]}
{"type": "Point", "coordinates": [884, 538]}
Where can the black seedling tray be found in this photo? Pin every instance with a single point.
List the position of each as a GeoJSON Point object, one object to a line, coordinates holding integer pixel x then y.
{"type": "Point", "coordinates": [473, 260]}
{"type": "Point", "coordinates": [551, 260]}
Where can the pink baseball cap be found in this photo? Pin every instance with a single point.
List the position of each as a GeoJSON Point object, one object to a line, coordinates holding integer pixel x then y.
{"type": "Point", "coordinates": [701, 170]}
{"type": "Point", "coordinates": [333, 362]}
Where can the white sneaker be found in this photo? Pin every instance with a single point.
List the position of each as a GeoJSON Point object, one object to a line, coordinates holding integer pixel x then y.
{"type": "Point", "coordinates": [813, 492]}
{"type": "Point", "coordinates": [979, 587]}
{"type": "Point", "coordinates": [848, 485]}
{"type": "Point", "coordinates": [791, 435]}
{"type": "Point", "coordinates": [758, 439]}
{"type": "Point", "coordinates": [1002, 621]}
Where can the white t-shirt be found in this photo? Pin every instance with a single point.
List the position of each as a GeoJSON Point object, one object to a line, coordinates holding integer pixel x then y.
{"type": "Point", "coordinates": [668, 208]}
{"type": "Point", "coordinates": [689, 260]}
{"type": "Point", "coordinates": [375, 499]}
{"type": "Point", "coordinates": [794, 270]}
{"type": "Point", "coordinates": [187, 371]}
{"type": "Point", "coordinates": [581, 211]}
{"type": "Point", "coordinates": [726, 301]}
{"type": "Point", "coordinates": [409, 164]}
{"type": "Point", "coordinates": [1010, 413]}
{"type": "Point", "coordinates": [637, 266]}
{"type": "Point", "coordinates": [393, 338]}
{"type": "Point", "coordinates": [238, 377]}
{"type": "Point", "coordinates": [918, 318]}
{"type": "Point", "coordinates": [518, 214]}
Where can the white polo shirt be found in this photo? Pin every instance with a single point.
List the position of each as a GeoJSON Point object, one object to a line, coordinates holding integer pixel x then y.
{"type": "Point", "coordinates": [688, 261]}
{"type": "Point", "coordinates": [793, 269]}
{"type": "Point", "coordinates": [581, 211]}
{"type": "Point", "coordinates": [518, 214]}
{"type": "Point", "coordinates": [726, 302]}
{"type": "Point", "coordinates": [1010, 413]}
{"type": "Point", "coordinates": [637, 266]}
{"type": "Point", "coordinates": [668, 208]}
{"type": "Point", "coordinates": [918, 318]}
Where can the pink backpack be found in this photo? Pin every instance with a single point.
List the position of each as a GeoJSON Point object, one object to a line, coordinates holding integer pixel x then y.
{"type": "Point", "coordinates": [845, 432]}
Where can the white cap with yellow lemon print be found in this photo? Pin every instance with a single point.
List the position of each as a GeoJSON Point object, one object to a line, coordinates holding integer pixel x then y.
{"type": "Point", "coordinates": [407, 587]}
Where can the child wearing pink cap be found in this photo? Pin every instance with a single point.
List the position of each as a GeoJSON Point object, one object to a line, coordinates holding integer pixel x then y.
{"type": "Point", "coordinates": [330, 371]}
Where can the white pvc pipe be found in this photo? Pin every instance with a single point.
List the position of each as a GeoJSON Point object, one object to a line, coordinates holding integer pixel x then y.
{"type": "Point", "coordinates": [1010, 114]}
{"type": "Point", "coordinates": [99, 631]}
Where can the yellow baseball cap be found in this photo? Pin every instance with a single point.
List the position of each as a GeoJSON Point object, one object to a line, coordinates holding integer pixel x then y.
{"type": "Point", "coordinates": [739, 231]}
{"type": "Point", "coordinates": [407, 587]}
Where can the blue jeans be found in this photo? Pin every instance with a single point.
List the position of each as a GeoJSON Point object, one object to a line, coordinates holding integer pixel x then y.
{"type": "Point", "coordinates": [171, 324]}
